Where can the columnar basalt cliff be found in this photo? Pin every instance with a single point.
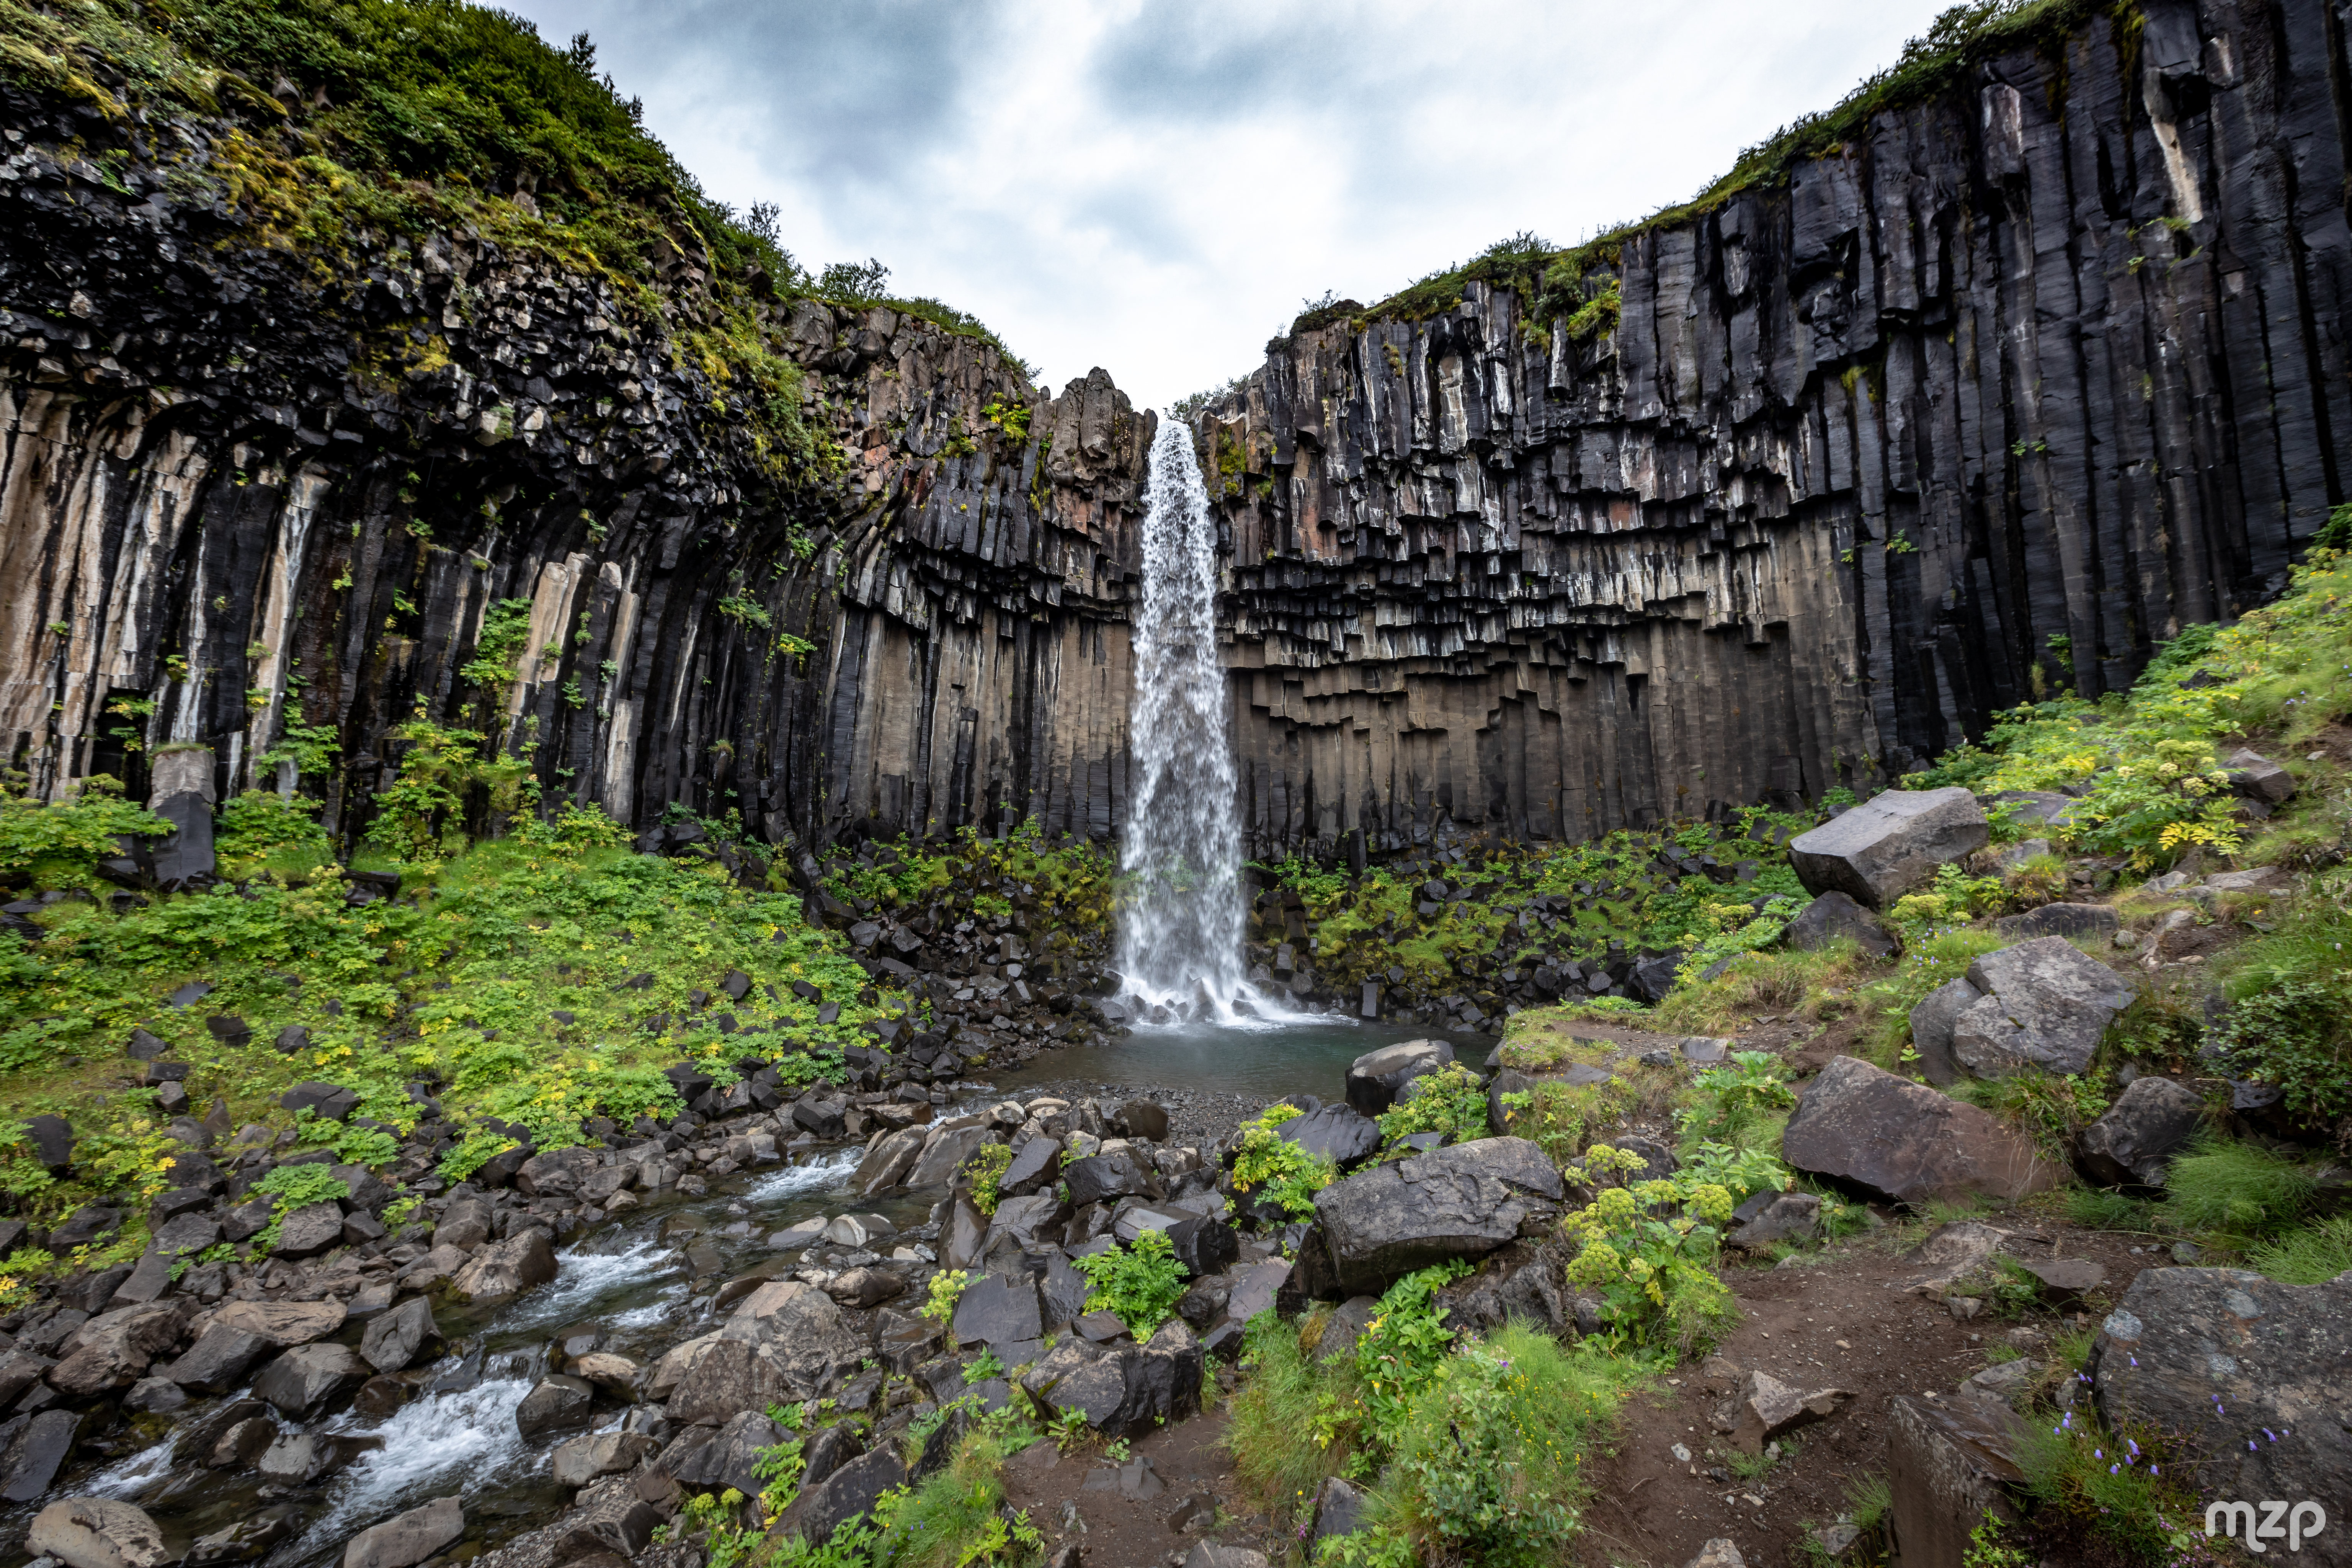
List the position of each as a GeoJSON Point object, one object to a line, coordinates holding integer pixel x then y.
{"type": "Point", "coordinates": [1984, 403]}
{"type": "Point", "coordinates": [246, 484]}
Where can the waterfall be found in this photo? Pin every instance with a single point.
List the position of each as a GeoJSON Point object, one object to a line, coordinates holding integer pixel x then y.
{"type": "Point", "coordinates": [1180, 930]}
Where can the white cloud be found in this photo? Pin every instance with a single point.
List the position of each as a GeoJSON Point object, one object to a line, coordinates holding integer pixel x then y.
{"type": "Point", "coordinates": [1154, 187]}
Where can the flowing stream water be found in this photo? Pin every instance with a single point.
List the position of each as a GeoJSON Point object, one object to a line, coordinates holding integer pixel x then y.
{"type": "Point", "coordinates": [1180, 932]}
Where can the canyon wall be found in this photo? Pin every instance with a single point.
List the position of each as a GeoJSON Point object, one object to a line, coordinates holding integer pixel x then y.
{"type": "Point", "coordinates": [254, 483]}
{"type": "Point", "coordinates": [1983, 404]}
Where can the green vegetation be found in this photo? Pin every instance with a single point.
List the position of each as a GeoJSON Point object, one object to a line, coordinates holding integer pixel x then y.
{"type": "Point", "coordinates": [1656, 1275]}
{"type": "Point", "coordinates": [1140, 1281]}
{"type": "Point", "coordinates": [1270, 1168]}
{"type": "Point", "coordinates": [985, 1169]}
{"type": "Point", "coordinates": [1067, 887]}
{"type": "Point", "coordinates": [296, 1188]}
{"type": "Point", "coordinates": [1452, 1100]}
{"type": "Point", "coordinates": [2236, 1189]}
{"type": "Point", "coordinates": [57, 844]}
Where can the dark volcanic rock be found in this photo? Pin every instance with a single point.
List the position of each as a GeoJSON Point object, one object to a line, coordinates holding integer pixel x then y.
{"type": "Point", "coordinates": [1884, 1137]}
{"type": "Point", "coordinates": [1832, 915]}
{"type": "Point", "coordinates": [2132, 1143]}
{"type": "Point", "coordinates": [1375, 1078]}
{"type": "Point", "coordinates": [1465, 1200]}
{"type": "Point", "coordinates": [1882, 850]}
{"type": "Point", "coordinates": [1337, 1131]}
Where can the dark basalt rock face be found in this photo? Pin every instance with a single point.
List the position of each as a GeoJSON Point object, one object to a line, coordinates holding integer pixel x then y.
{"type": "Point", "coordinates": [253, 484]}
{"type": "Point", "coordinates": [2022, 380]}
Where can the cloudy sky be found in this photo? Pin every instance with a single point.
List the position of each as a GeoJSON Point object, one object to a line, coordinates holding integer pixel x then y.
{"type": "Point", "coordinates": [1155, 186]}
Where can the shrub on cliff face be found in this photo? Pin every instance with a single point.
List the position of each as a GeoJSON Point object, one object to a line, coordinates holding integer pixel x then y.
{"type": "Point", "coordinates": [59, 844]}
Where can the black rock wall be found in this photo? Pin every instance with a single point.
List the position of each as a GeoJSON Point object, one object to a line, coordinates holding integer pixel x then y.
{"type": "Point", "coordinates": [246, 483]}
{"type": "Point", "coordinates": [1983, 405]}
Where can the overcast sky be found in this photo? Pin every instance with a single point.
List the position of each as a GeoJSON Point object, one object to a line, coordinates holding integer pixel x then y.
{"type": "Point", "coordinates": [1154, 185]}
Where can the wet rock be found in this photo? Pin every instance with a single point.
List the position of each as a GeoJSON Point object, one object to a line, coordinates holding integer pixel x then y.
{"type": "Point", "coordinates": [155, 1396]}
{"type": "Point", "coordinates": [409, 1539]}
{"type": "Point", "coordinates": [888, 1162]}
{"type": "Point", "coordinates": [392, 1340]}
{"type": "Point", "coordinates": [723, 1377]}
{"type": "Point", "coordinates": [114, 1350]}
{"type": "Point", "coordinates": [2132, 1144]}
{"type": "Point", "coordinates": [1338, 1509]}
{"type": "Point", "coordinates": [379, 1396]}
{"type": "Point", "coordinates": [218, 1361]}
{"type": "Point", "coordinates": [1884, 1137]}
{"type": "Point", "coordinates": [2247, 1375]}
{"type": "Point", "coordinates": [1832, 915]}
{"type": "Point", "coordinates": [1373, 1228]}
{"type": "Point", "coordinates": [33, 1449]}
{"type": "Point", "coordinates": [1122, 1389]}
{"type": "Point", "coordinates": [1106, 1178]}
{"type": "Point", "coordinates": [555, 1402]}
{"type": "Point", "coordinates": [945, 1149]}
{"type": "Point", "coordinates": [847, 1494]}
{"type": "Point", "coordinates": [305, 1378]}
{"type": "Point", "coordinates": [801, 1332]}
{"type": "Point", "coordinates": [96, 1532]}
{"type": "Point", "coordinates": [606, 1370]}
{"type": "Point", "coordinates": [298, 1459]}
{"type": "Point", "coordinates": [506, 1268]}
{"type": "Point", "coordinates": [866, 1287]}
{"type": "Point", "coordinates": [282, 1323]}
{"type": "Point", "coordinates": [247, 1540]}
{"type": "Point", "coordinates": [2043, 1004]}
{"type": "Point", "coordinates": [233, 1436]}
{"type": "Point", "coordinates": [1765, 1407]}
{"type": "Point", "coordinates": [1336, 1131]}
{"type": "Point", "coordinates": [1884, 847]}
{"type": "Point", "coordinates": [1374, 1077]}
{"type": "Point", "coordinates": [825, 1118]}
{"type": "Point", "coordinates": [1036, 1165]}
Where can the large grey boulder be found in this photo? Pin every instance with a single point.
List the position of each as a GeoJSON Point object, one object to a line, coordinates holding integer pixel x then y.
{"type": "Point", "coordinates": [32, 1450]}
{"type": "Point", "coordinates": [730, 1458]}
{"type": "Point", "coordinates": [218, 1361]}
{"type": "Point", "coordinates": [1832, 915]}
{"type": "Point", "coordinates": [393, 1338]}
{"type": "Point", "coordinates": [96, 1532]}
{"type": "Point", "coordinates": [2257, 777]}
{"type": "Point", "coordinates": [945, 1149]}
{"type": "Point", "coordinates": [113, 1351]}
{"type": "Point", "coordinates": [2042, 1004]}
{"type": "Point", "coordinates": [506, 1268]}
{"type": "Point", "coordinates": [1340, 1132]}
{"type": "Point", "coordinates": [885, 1165]}
{"type": "Point", "coordinates": [1374, 1077]}
{"type": "Point", "coordinates": [1373, 1228]}
{"type": "Point", "coordinates": [610, 1452]}
{"type": "Point", "coordinates": [1932, 1022]}
{"type": "Point", "coordinates": [282, 1323]}
{"type": "Point", "coordinates": [409, 1539]}
{"type": "Point", "coordinates": [846, 1494]}
{"type": "Point", "coordinates": [2060, 920]}
{"type": "Point", "coordinates": [2133, 1144]}
{"type": "Point", "coordinates": [1871, 1132]}
{"type": "Point", "coordinates": [1123, 1390]}
{"type": "Point", "coordinates": [1883, 848]}
{"type": "Point", "coordinates": [2248, 1377]}
{"type": "Point", "coordinates": [306, 1377]}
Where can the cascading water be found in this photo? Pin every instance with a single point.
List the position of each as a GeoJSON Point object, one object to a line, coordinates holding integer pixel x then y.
{"type": "Point", "coordinates": [1180, 933]}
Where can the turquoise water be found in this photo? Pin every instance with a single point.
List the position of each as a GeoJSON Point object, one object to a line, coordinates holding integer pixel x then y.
{"type": "Point", "coordinates": [1268, 1060]}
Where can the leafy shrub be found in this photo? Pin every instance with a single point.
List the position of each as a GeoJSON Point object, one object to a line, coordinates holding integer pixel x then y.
{"type": "Point", "coordinates": [58, 844]}
{"type": "Point", "coordinates": [1656, 1275]}
{"type": "Point", "coordinates": [2289, 1027]}
{"type": "Point", "coordinates": [1489, 1461]}
{"type": "Point", "coordinates": [1742, 929]}
{"type": "Point", "coordinates": [297, 1187]}
{"type": "Point", "coordinates": [1401, 1351]}
{"type": "Point", "coordinates": [254, 829]}
{"type": "Point", "coordinates": [1271, 1167]}
{"type": "Point", "coordinates": [1452, 1100]}
{"type": "Point", "coordinates": [1140, 1281]}
{"type": "Point", "coordinates": [947, 1290]}
{"type": "Point", "coordinates": [1729, 1101]}
{"type": "Point", "coordinates": [986, 1168]}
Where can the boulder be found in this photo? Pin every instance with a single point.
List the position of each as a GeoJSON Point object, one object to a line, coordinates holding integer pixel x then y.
{"type": "Point", "coordinates": [32, 1450]}
{"type": "Point", "coordinates": [999, 1308]}
{"type": "Point", "coordinates": [1519, 1281]}
{"type": "Point", "coordinates": [1107, 1178]}
{"type": "Point", "coordinates": [2059, 919]}
{"type": "Point", "coordinates": [298, 1459]}
{"type": "Point", "coordinates": [1834, 914]}
{"type": "Point", "coordinates": [801, 1332]}
{"type": "Point", "coordinates": [1339, 1510]}
{"type": "Point", "coordinates": [331, 1101]}
{"type": "Point", "coordinates": [305, 1378]}
{"type": "Point", "coordinates": [610, 1452]}
{"type": "Point", "coordinates": [408, 1539]}
{"type": "Point", "coordinates": [50, 1141]}
{"type": "Point", "coordinates": [945, 1149]}
{"type": "Point", "coordinates": [2257, 777]}
{"type": "Point", "coordinates": [96, 1532]}
{"type": "Point", "coordinates": [1770, 1217]}
{"type": "Point", "coordinates": [885, 1164]}
{"type": "Point", "coordinates": [1465, 1200]}
{"type": "Point", "coordinates": [282, 1323]}
{"type": "Point", "coordinates": [724, 1378]}
{"type": "Point", "coordinates": [392, 1339]}
{"type": "Point", "coordinates": [310, 1230]}
{"type": "Point", "coordinates": [845, 1495]}
{"type": "Point", "coordinates": [1374, 1077]}
{"type": "Point", "coordinates": [1122, 1389]}
{"type": "Point", "coordinates": [2246, 1375]}
{"type": "Point", "coordinates": [866, 1287]}
{"type": "Point", "coordinates": [1880, 1136]}
{"type": "Point", "coordinates": [1883, 848]}
{"type": "Point", "coordinates": [1032, 1222]}
{"type": "Point", "coordinates": [1144, 1118]}
{"type": "Point", "coordinates": [114, 1350]}
{"type": "Point", "coordinates": [1036, 1165]}
{"type": "Point", "coordinates": [730, 1458]}
{"type": "Point", "coordinates": [506, 1268]}
{"type": "Point", "coordinates": [1765, 1407]}
{"type": "Point", "coordinates": [1338, 1131]}
{"type": "Point", "coordinates": [1949, 1463]}
{"type": "Point", "coordinates": [2043, 1004]}
{"type": "Point", "coordinates": [218, 1361]}
{"type": "Point", "coordinates": [556, 1403]}
{"type": "Point", "coordinates": [2133, 1144]}
{"type": "Point", "coordinates": [1932, 1022]}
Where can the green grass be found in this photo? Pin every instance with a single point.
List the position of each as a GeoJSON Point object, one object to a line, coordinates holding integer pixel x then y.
{"type": "Point", "coordinates": [2099, 1208]}
{"type": "Point", "coordinates": [2236, 1189]}
{"type": "Point", "coordinates": [2309, 1256]}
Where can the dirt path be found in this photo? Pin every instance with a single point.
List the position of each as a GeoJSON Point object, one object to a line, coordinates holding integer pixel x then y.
{"type": "Point", "coordinates": [1131, 1516]}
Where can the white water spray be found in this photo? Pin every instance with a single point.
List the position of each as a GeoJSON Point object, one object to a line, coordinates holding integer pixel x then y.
{"type": "Point", "coordinates": [1179, 934]}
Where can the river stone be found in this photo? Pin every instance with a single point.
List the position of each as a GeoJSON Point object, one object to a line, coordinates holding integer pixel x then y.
{"type": "Point", "coordinates": [506, 1268]}
{"type": "Point", "coordinates": [282, 1323]}
{"type": "Point", "coordinates": [886, 1164]}
{"type": "Point", "coordinates": [845, 1495]}
{"type": "Point", "coordinates": [298, 1459]}
{"type": "Point", "coordinates": [218, 1361]}
{"type": "Point", "coordinates": [1884, 1137]}
{"type": "Point", "coordinates": [392, 1339]}
{"type": "Point", "coordinates": [2046, 1005]}
{"type": "Point", "coordinates": [725, 1378]}
{"type": "Point", "coordinates": [1144, 1118]}
{"type": "Point", "coordinates": [32, 1450]}
{"type": "Point", "coordinates": [247, 1540]}
{"type": "Point", "coordinates": [1832, 915]}
{"type": "Point", "coordinates": [864, 1287]}
{"type": "Point", "coordinates": [2248, 1375]}
{"type": "Point", "coordinates": [822, 1118]}
{"type": "Point", "coordinates": [801, 1332]}
{"type": "Point", "coordinates": [731, 1458]}
{"type": "Point", "coordinates": [1340, 1132]}
{"type": "Point", "coordinates": [96, 1532]}
{"type": "Point", "coordinates": [606, 1370]}
{"type": "Point", "coordinates": [1036, 1163]}
{"type": "Point", "coordinates": [114, 1350]}
{"type": "Point", "coordinates": [310, 1230]}
{"type": "Point", "coordinates": [1374, 1077]}
{"type": "Point", "coordinates": [580, 1460]}
{"type": "Point", "coordinates": [409, 1539]}
{"type": "Point", "coordinates": [1884, 847]}
{"type": "Point", "coordinates": [306, 1377]}
{"type": "Point", "coordinates": [2132, 1144]}
{"type": "Point", "coordinates": [945, 1149]}
{"type": "Point", "coordinates": [555, 1402]}
{"type": "Point", "coordinates": [1373, 1228]}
